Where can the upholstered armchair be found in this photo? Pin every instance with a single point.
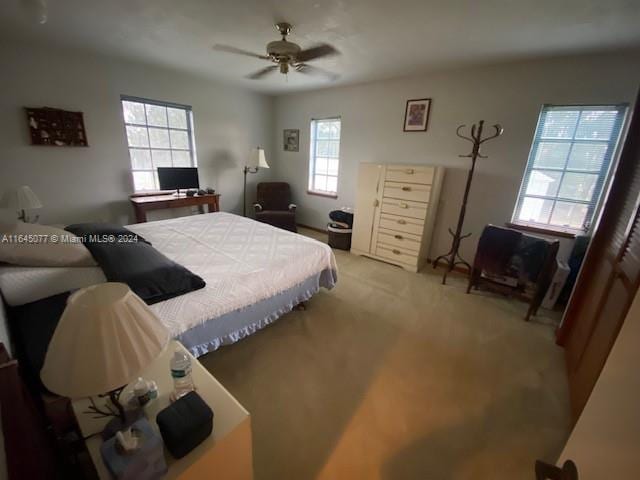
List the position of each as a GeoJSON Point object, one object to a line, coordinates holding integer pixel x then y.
{"type": "Point", "coordinates": [274, 205]}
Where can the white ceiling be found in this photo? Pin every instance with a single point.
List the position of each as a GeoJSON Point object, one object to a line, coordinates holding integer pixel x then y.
{"type": "Point", "coordinates": [377, 38]}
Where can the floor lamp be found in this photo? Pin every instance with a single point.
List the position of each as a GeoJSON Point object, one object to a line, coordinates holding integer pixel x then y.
{"type": "Point", "coordinates": [257, 160]}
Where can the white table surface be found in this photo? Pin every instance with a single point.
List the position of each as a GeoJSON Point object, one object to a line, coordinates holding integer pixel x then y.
{"type": "Point", "coordinates": [229, 415]}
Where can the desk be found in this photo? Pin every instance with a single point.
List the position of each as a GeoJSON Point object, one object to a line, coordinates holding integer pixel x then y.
{"type": "Point", "coordinates": [225, 454]}
{"type": "Point", "coordinates": [143, 204]}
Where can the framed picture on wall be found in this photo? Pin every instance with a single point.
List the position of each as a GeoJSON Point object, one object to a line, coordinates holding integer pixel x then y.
{"type": "Point", "coordinates": [416, 115]}
{"type": "Point", "coordinates": [55, 127]}
{"type": "Point", "coordinates": [291, 140]}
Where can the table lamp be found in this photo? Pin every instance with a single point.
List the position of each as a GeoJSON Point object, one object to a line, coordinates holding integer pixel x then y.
{"type": "Point", "coordinates": [21, 199]}
{"type": "Point", "coordinates": [106, 336]}
{"type": "Point", "coordinates": [257, 160]}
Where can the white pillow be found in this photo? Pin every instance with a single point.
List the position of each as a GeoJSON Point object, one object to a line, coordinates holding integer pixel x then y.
{"type": "Point", "coordinates": [33, 245]}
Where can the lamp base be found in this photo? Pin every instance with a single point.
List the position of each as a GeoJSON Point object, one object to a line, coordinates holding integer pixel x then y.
{"type": "Point", "coordinates": [117, 424]}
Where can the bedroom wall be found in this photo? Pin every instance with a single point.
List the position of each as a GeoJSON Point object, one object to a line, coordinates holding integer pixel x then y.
{"type": "Point", "coordinates": [81, 184]}
{"type": "Point", "coordinates": [509, 94]}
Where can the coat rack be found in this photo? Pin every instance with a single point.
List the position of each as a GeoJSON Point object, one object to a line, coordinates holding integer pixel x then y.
{"type": "Point", "coordinates": [453, 258]}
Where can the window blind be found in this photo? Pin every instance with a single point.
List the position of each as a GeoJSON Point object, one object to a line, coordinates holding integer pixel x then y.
{"type": "Point", "coordinates": [568, 165]}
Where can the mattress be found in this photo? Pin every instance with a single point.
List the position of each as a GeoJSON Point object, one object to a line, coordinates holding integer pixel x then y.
{"type": "Point", "coordinates": [253, 272]}
{"type": "Point", "coordinates": [20, 285]}
{"type": "Point", "coordinates": [242, 262]}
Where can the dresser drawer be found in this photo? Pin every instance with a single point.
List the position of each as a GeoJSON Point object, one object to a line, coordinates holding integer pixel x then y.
{"type": "Point", "coordinates": [406, 241]}
{"type": "Point", "coordinates": [397, 254]}
{"type": "Point", "coordinates": [407, 191]}
{"type": "Point", "coordinates": [410, 174]}
{"type": "Point", "coordinates": [401, 224]}
{"type": "Point", "coordinates": [404, 208]}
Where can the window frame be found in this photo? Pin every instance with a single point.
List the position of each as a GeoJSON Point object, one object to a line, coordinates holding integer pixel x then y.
{"type": "Point", "coordinates": [193, 161]}
{"type": "Point", "coordinates": [604, 175]}
{"type": "Point", "coordinates": [311, 172]}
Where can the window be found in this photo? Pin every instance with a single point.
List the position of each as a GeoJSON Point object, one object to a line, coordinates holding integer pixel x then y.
{"type": "Point", "coordinates": [324, 156]}
{"type": "Point", "coordinates": [159, 135]}
{"type": "Point", "coordinates": [568, 166]}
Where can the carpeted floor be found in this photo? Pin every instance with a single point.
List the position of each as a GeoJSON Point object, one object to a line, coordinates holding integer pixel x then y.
{"type": "Point", "coordinates": [393, 376]}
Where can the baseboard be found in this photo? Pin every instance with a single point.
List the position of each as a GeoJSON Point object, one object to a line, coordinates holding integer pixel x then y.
{"type": "Point", "coordinates": [315, 229]}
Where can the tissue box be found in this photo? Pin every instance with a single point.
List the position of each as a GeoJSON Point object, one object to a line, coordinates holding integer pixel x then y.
{"type": "Point", "coordinates": [185, 424]}
{"type": "Point", "coordinates": [146, 463]}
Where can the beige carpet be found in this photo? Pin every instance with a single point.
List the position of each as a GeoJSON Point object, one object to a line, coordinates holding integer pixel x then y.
{"type": "Point", "coordinates": [394, 376]}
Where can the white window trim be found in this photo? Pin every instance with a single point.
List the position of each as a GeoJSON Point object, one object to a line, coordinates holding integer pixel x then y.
{"type": "Point", "coordinates": [312, 158]}
{"type": "Point", "coordinates": [189, 130]}
{"type": "Point", "coordinates": [594, 206]}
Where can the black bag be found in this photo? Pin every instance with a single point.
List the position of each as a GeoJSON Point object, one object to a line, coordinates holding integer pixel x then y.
{"type": "Point", "coordinates": [185, 424]}
{"type": "Point", "coordinates": [342, 217]}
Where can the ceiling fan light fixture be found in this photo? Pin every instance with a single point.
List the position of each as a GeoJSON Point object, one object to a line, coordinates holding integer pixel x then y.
{"type": "Point", "coordinates": [283, 48]}
{"type": "Point", "coordinates": [285, 54]}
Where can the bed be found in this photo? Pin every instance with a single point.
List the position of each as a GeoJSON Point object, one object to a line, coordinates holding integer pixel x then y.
{"type": "Point", "coordinates": [254, 274]}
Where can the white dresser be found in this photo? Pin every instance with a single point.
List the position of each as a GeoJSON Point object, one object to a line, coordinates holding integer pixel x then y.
{"type": "Point", "coordinates": [395, 211]}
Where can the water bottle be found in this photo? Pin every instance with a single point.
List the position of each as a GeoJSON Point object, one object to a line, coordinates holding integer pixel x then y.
{"type": "Point", "coordinates": [181, 373]}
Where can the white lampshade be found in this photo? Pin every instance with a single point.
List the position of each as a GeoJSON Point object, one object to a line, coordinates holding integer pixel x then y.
{"type": "Point", "coordinates": [106, 336]}
{"type": "Point", "coordinates": [21, 198]}
{"type": "Point", "coordinates": [258, 159]}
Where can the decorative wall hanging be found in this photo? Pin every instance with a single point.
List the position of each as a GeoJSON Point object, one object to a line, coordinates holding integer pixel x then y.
{"type": "Point", "coordinates": [291, 140]}
{"type": "Point", "coordinates": [55, 127]}
{"type": "Point", "coordinates": [453, 259]}
{"type": "Point", "coordinates": [416, 115]}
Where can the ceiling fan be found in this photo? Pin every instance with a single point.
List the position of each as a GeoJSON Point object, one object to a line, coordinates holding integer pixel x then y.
{"type": "Point", "coordinates": [286, 55]}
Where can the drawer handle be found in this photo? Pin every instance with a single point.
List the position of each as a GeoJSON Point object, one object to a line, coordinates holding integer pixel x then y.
{"type": "Point", "coordinates": [409, 171]}
{"type": "Point", "coordinates": [403, 205]}
{"type": "Point", "coordinates": [398, 237]}
{"type": "Point", "coordinates": [402, 222]}
{"type": "Point", "coordinates": [397, 252]}
{"type": "Point", "coordinates": [406, 189]}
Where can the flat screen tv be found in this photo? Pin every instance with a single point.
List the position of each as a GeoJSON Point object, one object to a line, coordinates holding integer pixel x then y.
{"type": "Point", "coordinates": [177, 178]}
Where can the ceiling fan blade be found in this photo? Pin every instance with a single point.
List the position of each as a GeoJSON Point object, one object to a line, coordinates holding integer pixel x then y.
{"type": "Point", "coordinates": [261, 73]}
{"type": "Point", "coordinates": [311, 70]}
{"type": "Point", "coordinates": [239, 51]}
{"type": "Point", "coordinates": [322, 50]}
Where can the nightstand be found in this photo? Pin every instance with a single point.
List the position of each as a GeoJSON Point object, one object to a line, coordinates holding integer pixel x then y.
{"type": "Point", "coordinates": [226, 454]}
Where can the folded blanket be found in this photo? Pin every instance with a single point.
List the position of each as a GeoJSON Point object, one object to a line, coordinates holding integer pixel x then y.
{"type": "Point", "coordinates": [125, 258]}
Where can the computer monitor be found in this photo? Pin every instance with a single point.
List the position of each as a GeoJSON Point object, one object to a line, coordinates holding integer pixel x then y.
{"type": "Point", "coordinates": [177, 178]}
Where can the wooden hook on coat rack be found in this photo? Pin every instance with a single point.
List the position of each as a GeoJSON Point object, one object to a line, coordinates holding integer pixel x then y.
{"type": "Point", "coordinates": [462, 136]}
{"type": "Point", "coordinates": [499, 131]}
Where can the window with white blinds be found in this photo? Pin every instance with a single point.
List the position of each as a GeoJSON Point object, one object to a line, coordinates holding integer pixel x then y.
{"type": "Point", "coordinates": [568, 166]}
{"type": "Point", "coordinates": [324, 156]}
{"type": "Point", "coordinates": [159, 134]}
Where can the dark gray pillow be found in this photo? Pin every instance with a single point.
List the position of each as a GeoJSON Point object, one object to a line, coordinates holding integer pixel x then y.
{"type": "Point", "coordinates": [100, 229]}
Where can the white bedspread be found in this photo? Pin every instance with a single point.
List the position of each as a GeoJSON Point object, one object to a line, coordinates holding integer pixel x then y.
{"type": "Point", "coordinates": [242, 262]}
